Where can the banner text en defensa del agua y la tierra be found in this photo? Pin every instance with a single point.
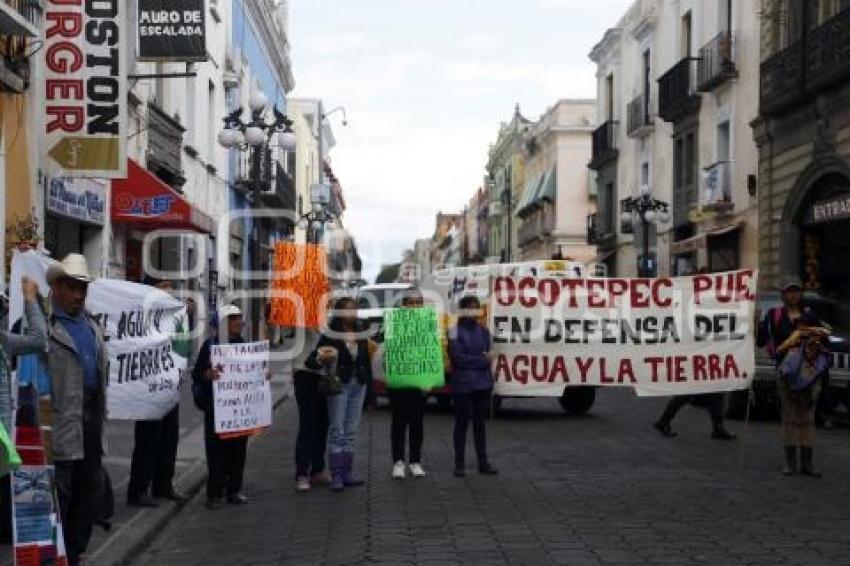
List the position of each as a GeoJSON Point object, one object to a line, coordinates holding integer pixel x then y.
{"type": "Point", "coordinates": [660, 336]}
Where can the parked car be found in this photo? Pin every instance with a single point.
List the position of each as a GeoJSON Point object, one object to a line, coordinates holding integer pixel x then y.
{"type": "Point", "coordinates": [766, 400]}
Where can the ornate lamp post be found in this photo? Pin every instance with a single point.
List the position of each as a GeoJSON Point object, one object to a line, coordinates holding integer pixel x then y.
{"type": "Point", "coordinates": [255, 137]}
{"type": "Point", "coordinates": [646, 210]}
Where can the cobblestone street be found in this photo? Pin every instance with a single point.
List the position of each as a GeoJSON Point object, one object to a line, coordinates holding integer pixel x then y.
{"type": "Point", "coordinates": [600, 489]}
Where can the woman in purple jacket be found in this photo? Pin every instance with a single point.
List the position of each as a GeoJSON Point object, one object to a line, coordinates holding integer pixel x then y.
{"type": "Point", "coordinates": [472, 383]}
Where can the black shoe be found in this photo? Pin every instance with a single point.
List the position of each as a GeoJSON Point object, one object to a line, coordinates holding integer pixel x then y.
{"type": "Point", "coordinates": [174, 496]}
{"type": "Point", "coordinates": [142, 501]}
{"type": "Point", "coordinates": [664, 429]}
{"type": "Point", "coordinates": [806, 463]}
{"type": "Point", "coordinates": [214, 503]}
{"type": "Point", "coordinates": [237, 499]}
{"type": "Point", "coordinates": [460, 472]}
{"type": "Point", "coordinates": [722, 434]}
{"type": "Point", "coordinates": [487, 470]}
{"type": "Point", "coordinates": [790, 467]}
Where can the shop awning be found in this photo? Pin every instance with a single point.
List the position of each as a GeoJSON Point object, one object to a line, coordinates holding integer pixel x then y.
{"type": "Point", "coordinates": [549, 188]}
{"type": "Point", "coordinates": [144, 200]}
{"type": "Point", "coordinates": [529, 195]}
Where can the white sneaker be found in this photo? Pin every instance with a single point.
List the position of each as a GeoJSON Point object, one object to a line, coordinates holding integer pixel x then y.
{"type": "Point", "coordinates": [416, 470]}
{"type": "Point", "coordinates": [398, 470]}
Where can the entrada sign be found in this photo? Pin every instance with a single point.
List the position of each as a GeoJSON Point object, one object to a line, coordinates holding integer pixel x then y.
{"type": "Point", "coordinates": [829, 210]}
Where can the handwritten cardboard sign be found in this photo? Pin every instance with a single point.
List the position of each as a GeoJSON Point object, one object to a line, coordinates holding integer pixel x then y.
{"type": "Point", "coordinates": [242, 396]}
{"type": "Point", "coordinates": [413, 349]}
{"type": "Point", "coordinates": [299, 285]}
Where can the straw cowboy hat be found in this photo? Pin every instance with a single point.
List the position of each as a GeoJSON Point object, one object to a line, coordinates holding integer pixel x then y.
{"type": "Point", "coordinates": [74, 266]}
{"type": "Point", "coordinates": [228, 311]}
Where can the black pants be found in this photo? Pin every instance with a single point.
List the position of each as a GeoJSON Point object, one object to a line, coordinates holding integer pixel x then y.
{"type": "Point", "coordinates": [225, 460]}
{"type": "Point", "coordinates": [154, 456]}
{"type": "Point", "coordinates": [470, 406]}
{"type": "Point", "coordinates": [79, 486]}
{"type": "Point", "coordinates": [713, 402]}
{"type": "Point", "coordinates": [408, 407]}
{"type": "Point", "coordinates": [311, 444]}
{"type": "Point", "coordinates": [825, 404]}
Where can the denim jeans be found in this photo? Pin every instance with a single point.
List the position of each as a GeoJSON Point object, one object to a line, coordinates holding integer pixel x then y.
{"type": "Point", "coordinates": [344, 412]}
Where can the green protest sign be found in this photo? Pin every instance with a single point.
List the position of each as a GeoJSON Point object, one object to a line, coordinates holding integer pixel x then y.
{"type": "Point", "coordinates": [413, 352]}
{"type": "Point", "coordinates": [9, 458]}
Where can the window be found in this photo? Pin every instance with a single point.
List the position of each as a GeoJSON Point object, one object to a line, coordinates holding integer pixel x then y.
{"type": "Point", "coordinates": [647, 77]}
{"type": "Point", "coordinates": [609, 97]}
{"type": "Point", "coordinates": [610, 208]}
{"type": "Point", "coordinates": [689, 161]}
{"type": "Point", "coordinates": [724, 142]}
{"type": "Point", "coordinates": [644, 174]}
{"type": "Point", "coordinates": [211, 121]}
{"type": "Point", "coordinates": [686, 35]}
{"type": "Point", "coordinates": [724, 17]}
{"type": "Point", "coordinates": [678, 157]}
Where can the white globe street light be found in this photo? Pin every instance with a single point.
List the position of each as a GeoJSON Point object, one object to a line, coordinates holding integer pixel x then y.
{"type": "Point", "coordinates": [226, 138]}
{"type": "Point", "coordinates": [649, 216]}
{"type": "Point", "coordinates": [255, 136]}
{"type": "Point", "coordinates": [288, 141]}
{"type": "Point", "coordinates": [258, 101]}
{"type": "Point", "coordinates": [664, 217]}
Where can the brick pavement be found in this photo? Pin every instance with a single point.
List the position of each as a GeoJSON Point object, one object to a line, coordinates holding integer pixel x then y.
{"type": "Point", "coordinates": [602, 489]}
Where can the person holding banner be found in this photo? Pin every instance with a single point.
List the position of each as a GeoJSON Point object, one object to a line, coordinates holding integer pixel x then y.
{"type": "Point", "coordinates": [472, 383]}
{"type": "Point", "coordinates": [155, 450]}
{"type": "Point", "coordinates": [408, 412]}
{"type": "Point", "coordinates": [344, 347]}
{"type": "Point", "coordinates": [225, 456]}
{"type": "Point", "coordinates": [78, 368]}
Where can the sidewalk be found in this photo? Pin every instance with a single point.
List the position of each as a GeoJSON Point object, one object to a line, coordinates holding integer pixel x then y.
{"type": "Point", "coordinates": [133, 528]}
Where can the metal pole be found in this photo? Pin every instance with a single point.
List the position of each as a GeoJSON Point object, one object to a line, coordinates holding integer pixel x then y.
{"type": "Point", "coordinates": [256, 259]}
{"type": "Point", "coordinates": [645, 261]}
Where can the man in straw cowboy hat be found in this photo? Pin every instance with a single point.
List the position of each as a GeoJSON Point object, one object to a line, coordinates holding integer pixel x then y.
{"type": "Point", "coordinates": [77, 364]}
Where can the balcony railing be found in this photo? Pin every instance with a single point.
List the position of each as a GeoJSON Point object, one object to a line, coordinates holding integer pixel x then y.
{"type": "Point", "coordinates": [717, 61]}
{"type": "Point", "coordinates": [639, 119]}
{"type": "Point", "coordinates": [20, 17]}
{"type": "Point", "coordinates": [279, 194]}
{"type": "Point", "coordinates": [828, 52]}
{"type": "Point", "coordinates": [604, 144]}
{"type": "Point", "coordinates": [537, 226]}
{"type": "Point", "coordinates": [676, 95]}
{"type": "Point", "coordinates": [591, 229]}
{"type": "Point", "coordinates": [165, 142]}
{"type": "Point", "coordinates": [815, 63]}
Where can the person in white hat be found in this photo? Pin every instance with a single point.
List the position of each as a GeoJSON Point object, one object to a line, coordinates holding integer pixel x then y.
{"type": "Point", "coordinates": [225, 457]}
{"type": "Point", "coordinates": [78, 368]}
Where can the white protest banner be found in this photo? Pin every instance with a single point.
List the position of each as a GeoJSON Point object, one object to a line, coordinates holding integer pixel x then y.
{"type": "Point", "coordinates": [659, 336]}
{"type": "Point", "coordinates": [139, 322]}
{"type": "Point", "coordinates": [242, 395]}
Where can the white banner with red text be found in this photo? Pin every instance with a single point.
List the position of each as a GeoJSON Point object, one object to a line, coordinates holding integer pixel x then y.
{"type": "Point", "coordinates": [662, 336]}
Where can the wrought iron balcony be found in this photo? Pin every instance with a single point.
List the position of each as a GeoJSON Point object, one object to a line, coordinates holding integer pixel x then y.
{"type": "Point", "coordinates": [677, 97]}
{"type": "Point", "coordinates": [827, 59]}
{"type": "Point", "coordinates": [717, 61]}
{"type": "Point", "coordinates": [165, 140]}
{"type": "Point", "coordinates": [279, 193]}
{"type": "Point", "coordinates": [815, 63]}
{"type": "Point", "coordinates": [604, 144]}
{"type": "Point", "coordinates": [639, 122]}
{"type": "Point", "coordinates": [537, 226]}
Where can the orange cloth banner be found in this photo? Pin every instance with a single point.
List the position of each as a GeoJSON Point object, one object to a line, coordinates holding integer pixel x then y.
{"type": "Point", "coordinates": [299, 285]}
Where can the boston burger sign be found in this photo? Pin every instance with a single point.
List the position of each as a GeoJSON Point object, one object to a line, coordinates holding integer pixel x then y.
{"type": "Point", "coordinates": [85, 120]}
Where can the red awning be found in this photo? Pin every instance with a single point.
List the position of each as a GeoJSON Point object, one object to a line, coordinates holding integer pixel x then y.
{"type": "Point", "coordinates": [144, 200]}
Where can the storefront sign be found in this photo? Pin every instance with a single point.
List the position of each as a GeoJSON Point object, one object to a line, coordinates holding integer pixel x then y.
{"type": "Point", "coordinates": [829, 210]}
{"type": "Point", "coordinates": [81, 199]}
{"type": "Point", "coordinates": [84, 124]}
{"type": "Point", "coordinates": [172, 30]}
{"type": "Point", "coordinates": [658, 336]}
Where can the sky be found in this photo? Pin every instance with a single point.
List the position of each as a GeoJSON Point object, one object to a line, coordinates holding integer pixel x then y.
{"type": "Point", "coordinates": [425, 85]}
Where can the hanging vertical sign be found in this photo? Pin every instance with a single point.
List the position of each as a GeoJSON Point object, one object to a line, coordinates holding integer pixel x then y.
{"type": "Point", "coordinates": [85, 89]}
{"type": "Point", "coordinates": [172, 30]}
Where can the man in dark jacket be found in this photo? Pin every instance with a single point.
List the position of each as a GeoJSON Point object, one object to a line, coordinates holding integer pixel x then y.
{"type": "Point", "coordinates": [155, 450]}
{"type": "Point", "coordinates": [225, 457]}
{"type": "Point", "coordinates": [77, 364]}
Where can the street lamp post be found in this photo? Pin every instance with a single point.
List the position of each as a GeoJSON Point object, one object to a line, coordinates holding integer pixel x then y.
{"type": "Point", "coordinates": [646, 210]}
{"type": "Point", "coordinates": [256, 136]}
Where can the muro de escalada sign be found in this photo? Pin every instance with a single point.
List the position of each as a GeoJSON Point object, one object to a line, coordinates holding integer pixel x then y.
{"type": "Point", "coordinates": [172, 30]}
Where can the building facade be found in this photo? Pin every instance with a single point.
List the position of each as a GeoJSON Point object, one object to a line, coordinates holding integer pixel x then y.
{"type": "Point", "coordinates": [505, 181]}
{"type": "Point", "coordinates": [555, 201]}
{"type": "Point", "coordinates": [677, 84]}
{"type": "Point", "coordinates": [803, 137]}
